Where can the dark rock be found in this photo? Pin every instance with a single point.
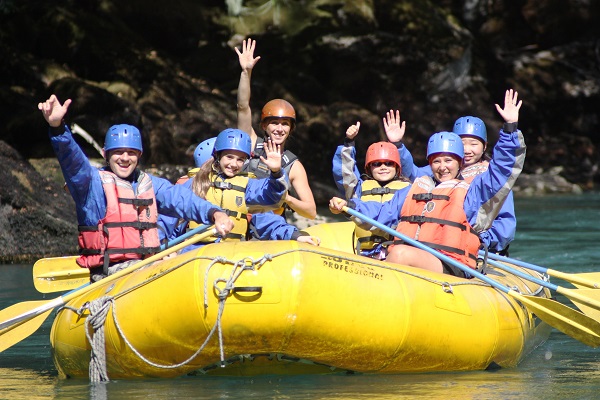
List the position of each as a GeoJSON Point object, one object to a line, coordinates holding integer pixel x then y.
{"type": "Point", "coordinates": [37, 217]}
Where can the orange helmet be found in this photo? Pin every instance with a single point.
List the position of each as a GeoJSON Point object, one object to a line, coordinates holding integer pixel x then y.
{"type": "Point", "coordinates": [278, 108]}
{"type": "Point", "coordinates": [383, 151]}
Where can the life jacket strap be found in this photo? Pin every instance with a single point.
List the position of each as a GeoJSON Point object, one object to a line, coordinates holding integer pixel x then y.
{"type": "Point", "coordinates": [137, 202]}
{"type": "Point", "coordinates": [379, 191]}
{"type": "Point", "coordinates": [430, 196]}
{"type": "Point", "coordinates": [420, 219]}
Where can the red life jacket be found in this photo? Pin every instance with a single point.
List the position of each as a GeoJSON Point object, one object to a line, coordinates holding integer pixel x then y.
{"type": "Point", "coordinates": [128, 231]}
{"type": "Point", "coordinates": [434, 215]}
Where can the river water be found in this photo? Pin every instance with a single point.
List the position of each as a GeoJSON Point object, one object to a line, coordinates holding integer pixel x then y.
{"type": "Point", "coordinates": [559, 232]}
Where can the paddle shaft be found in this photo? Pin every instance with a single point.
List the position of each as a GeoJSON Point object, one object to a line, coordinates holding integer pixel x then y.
{"type": "Point", "coordinates": [557, 274]}
{"type": "Point", "coordinates": [59, 301]}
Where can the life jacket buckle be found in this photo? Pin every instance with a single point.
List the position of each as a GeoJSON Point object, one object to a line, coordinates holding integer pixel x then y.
{"type": "Point", "coordinates": [223, 185]}
{"type": "Point", "coordinates": [419, 219]}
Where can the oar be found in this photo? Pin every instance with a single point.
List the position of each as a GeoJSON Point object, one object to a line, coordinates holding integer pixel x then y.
{"type": "Point", "coordinates": [59, 274]}
{"type": "Point", "coordinates": [569, 321]}
{"type": "Point", "coordinates": [588, 300]}
{"type": "Point", "coordinates": [590, 280]}
{"type": "Point", "coordinates": [22, 319]}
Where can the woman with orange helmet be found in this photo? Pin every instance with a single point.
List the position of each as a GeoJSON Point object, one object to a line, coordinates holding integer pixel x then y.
{"type": "Point", "coordinates": [278, 121]}
{"type": "Point", "coordinates": [382, 178]}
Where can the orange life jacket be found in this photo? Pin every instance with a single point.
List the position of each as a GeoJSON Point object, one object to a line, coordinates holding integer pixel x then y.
{"type": "Point", "coordinates": [128, 231]}
{"type": "Point", "coordinates": [434, 215]}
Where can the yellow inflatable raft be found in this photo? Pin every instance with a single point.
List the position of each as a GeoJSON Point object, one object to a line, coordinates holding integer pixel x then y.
{"type": "Point", "coordinates": [283, 307]}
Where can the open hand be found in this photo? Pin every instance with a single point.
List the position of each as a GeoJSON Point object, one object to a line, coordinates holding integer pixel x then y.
{"type": "Point", "coordinates": [273, 153]}
{"type": "Point", "coordinates": [246, 57]}
{"type": "Point", "coordinates": [394, 130]}
{"type": "Point", "coordinates": [510, 112]}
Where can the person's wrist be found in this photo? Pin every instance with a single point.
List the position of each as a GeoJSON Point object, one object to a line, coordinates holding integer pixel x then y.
{"type": "Point", "coordinates": [211, 214]}
{"type": "Point", "coordinates": [510, 127]}
{"type": "Point", "coordinates": [348, 142]}
{"type": "Point", "coordinates": [277, 174]}
{"type": "Point", "coordinates": [57, 130]}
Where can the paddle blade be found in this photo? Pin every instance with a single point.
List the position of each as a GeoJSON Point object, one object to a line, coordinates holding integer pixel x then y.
{"type": "Point", "coordinates": [59, 274]}
{"type": "Point", "coordinates": [20, 330]}
{"type": "Point", "coordinates": [587, 301]}
{"type": "Point", "coordinates": [567, 320]}
{"type": "Point", "coordinates": [587, 280]}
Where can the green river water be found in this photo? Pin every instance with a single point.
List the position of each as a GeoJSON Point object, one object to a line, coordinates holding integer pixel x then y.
{"type": "Point", "coordinates": [559, 232]}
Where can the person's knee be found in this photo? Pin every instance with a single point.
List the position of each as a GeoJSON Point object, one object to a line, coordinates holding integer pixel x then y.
{"type": "Point", "coordinates": [396, 254]}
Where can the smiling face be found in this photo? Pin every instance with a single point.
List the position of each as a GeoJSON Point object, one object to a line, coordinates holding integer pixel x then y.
{"type": "Point", "coordinates": [231, 162]}
{"type": "Point", "coordinates": [445, 166]}
{"type": "Point", "coordinates": [278, 129]}
{"type": "Point", "coordinates": [383, 171]}
{"type": "Point", "coordinates": [474, 149]}
{"type": "Point", "coordinates": [122, 161]}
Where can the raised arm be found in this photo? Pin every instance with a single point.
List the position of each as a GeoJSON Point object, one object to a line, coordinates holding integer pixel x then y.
{"type": "Point", "coordinates": [247, 63]}
{"type": "Point", "coordinates": [491, 188]}
{"type": "Point", "coordinates": [394, 130]}
{"type": "Point", "coordinates": [345, 172]}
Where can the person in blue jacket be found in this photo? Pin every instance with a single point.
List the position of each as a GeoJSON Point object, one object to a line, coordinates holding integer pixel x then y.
{"type": "Point", "coordinates": [383, 176]}
{"type": "Point", "coordinates": [473, 132]}
{"type": "Point", "coordinates": [263, 225]}
{"type": "Point", "coordinates": [117, 205]}
{"type": "Point", "coordinates": [171, 227]}
{"type": "Point", "coordinates": [444, 211]}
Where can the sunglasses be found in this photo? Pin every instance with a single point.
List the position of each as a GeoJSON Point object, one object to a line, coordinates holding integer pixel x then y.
{"type": "Point", "coordinates": [378, 164]}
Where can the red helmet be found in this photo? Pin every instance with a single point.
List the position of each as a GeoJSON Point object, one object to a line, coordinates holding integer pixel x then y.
{"type": "Point", "coordinates": [278, 108]}
{"type": "Point", "coordinates": [383, 151]}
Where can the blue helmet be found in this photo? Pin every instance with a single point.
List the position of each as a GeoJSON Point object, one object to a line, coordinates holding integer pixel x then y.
{"type": "Point", "coordinates": [123, 137]}
{"type": "Point", "coordinates": [233, 139]}
{"type": "Point", "coordinates": [470, 126]}
{"type": "Point", "coordinates": [445, 142]}
{"type": "Point", "coordinates": [204, 151]}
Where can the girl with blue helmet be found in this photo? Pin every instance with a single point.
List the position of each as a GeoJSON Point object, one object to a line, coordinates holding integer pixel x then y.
{"type": "Point", "coordinates": [444, 211]}
{"type": "Point", "coordinates": [220, 179]}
